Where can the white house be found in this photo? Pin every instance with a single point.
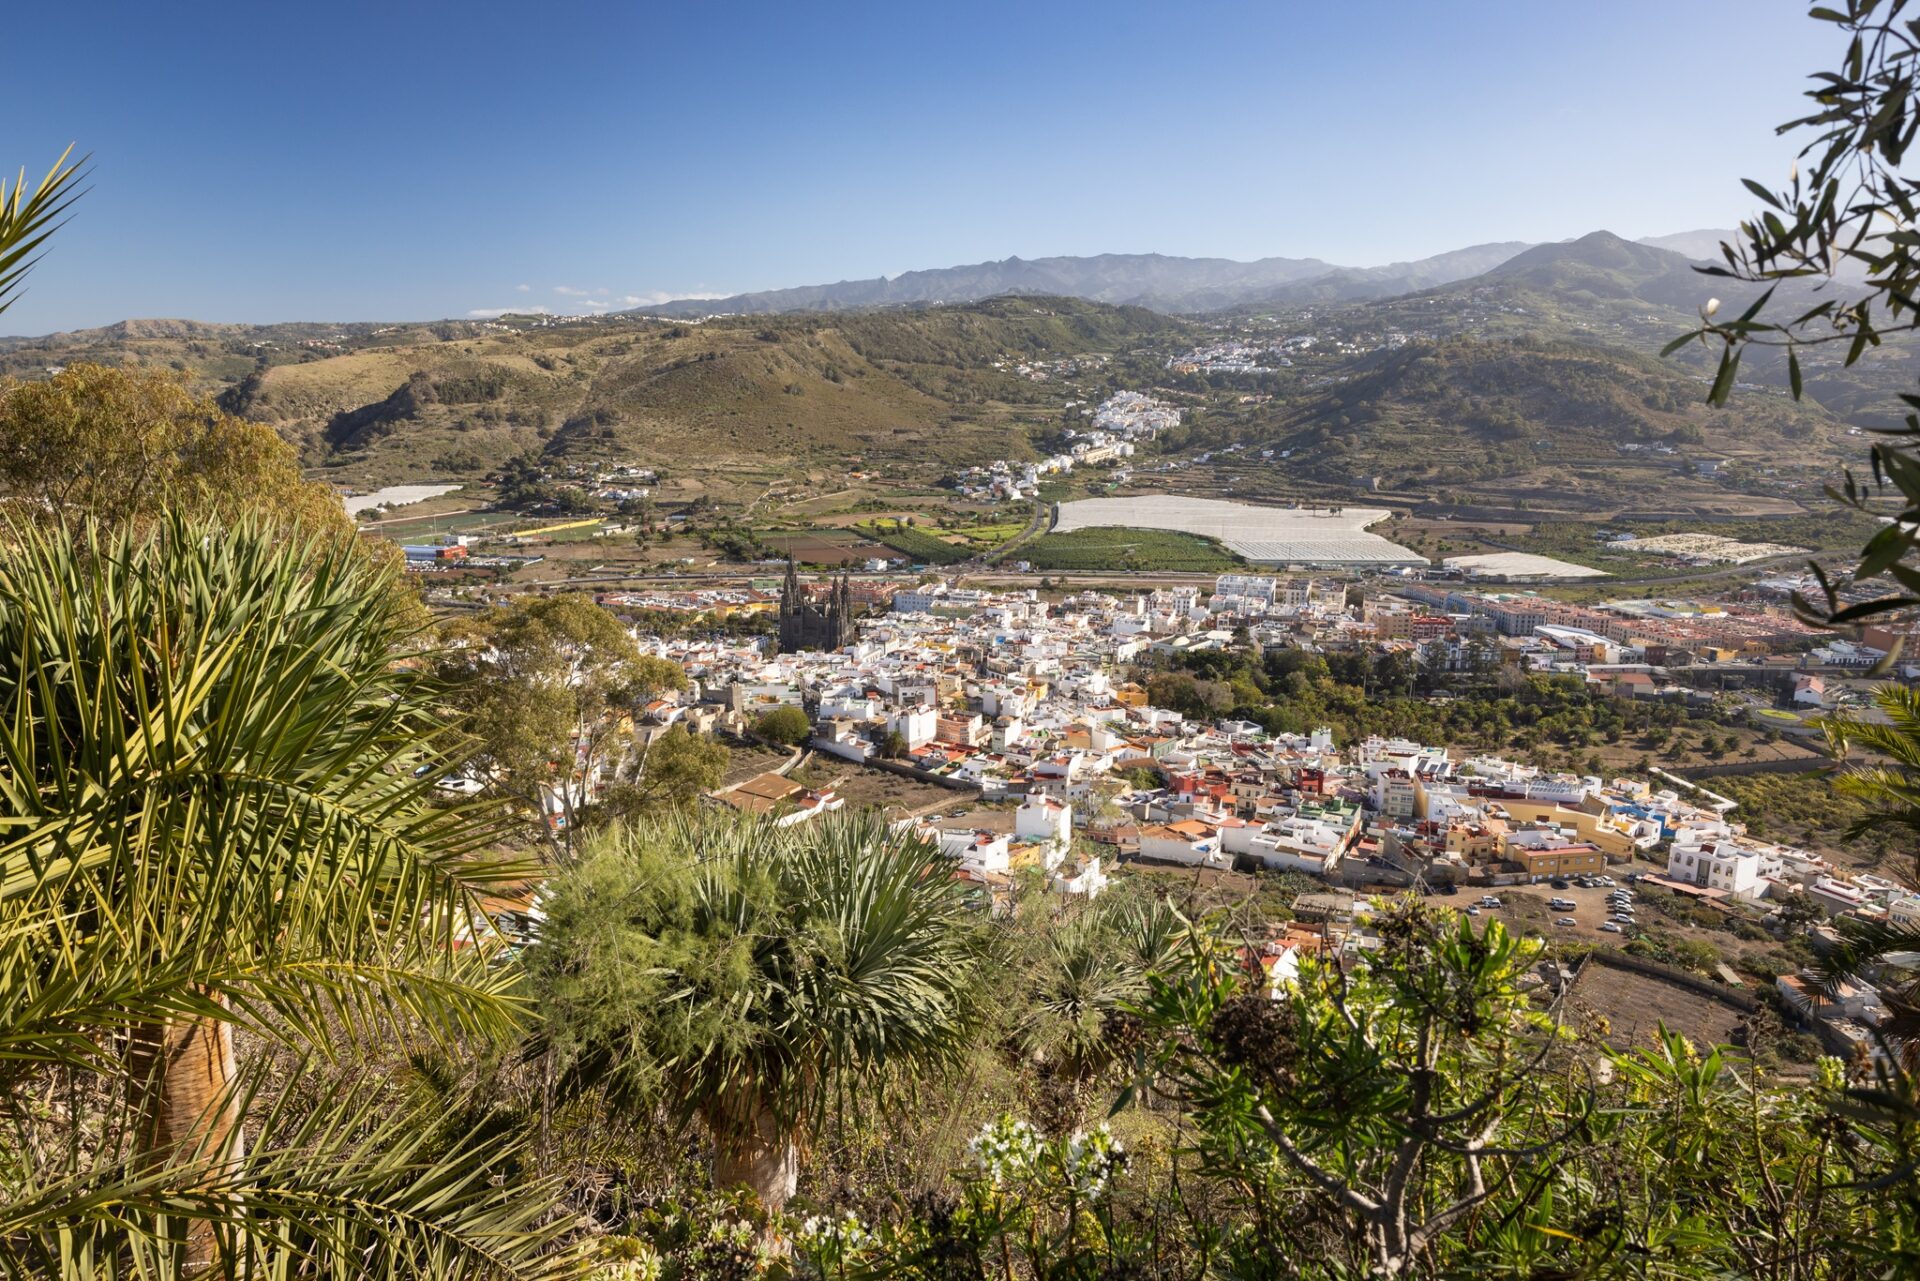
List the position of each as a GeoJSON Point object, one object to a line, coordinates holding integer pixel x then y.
{"type": "Point", "coordinates": [1296, 844]}
{"type": "Point", "coordinates": [915, 724]}
{"type": "Point", "coordinates": [1085, 877]}
{"type": "Point", "coordinates": [1189, 842]}
{"type": "Point", "coordinates": [1044, 818]}
{"type": "Point", "coordinates": [1710, 856]}
{"type": "Point", "coordinates": [1809, 690]}
{"type": "Point", "coordinates": [986, 851]}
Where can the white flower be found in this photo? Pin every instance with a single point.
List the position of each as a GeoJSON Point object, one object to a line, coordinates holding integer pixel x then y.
{"type": "Point", "coordinates": [1713, 305]}
{"type": "Point", "coordinates": [1006, 1150]}
{"type": "Point", "coordinates": [830, 1240]}
{"type": "Point", "coordinates": [1091, 1160]}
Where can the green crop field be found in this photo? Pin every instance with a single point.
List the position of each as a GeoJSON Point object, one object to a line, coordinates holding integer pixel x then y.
{"type": "Point", "coordinates": [988, 537]}
{"type": "Point", "coordinates": [916, 543]}
{"type": "Point", "coordinates": [1148, 549]}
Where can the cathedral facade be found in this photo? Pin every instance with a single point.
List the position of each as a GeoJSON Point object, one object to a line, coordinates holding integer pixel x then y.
{"type": "Point", "coordinates": [805, 624]}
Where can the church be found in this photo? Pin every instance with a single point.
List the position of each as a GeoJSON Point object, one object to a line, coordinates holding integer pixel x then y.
{"type": "Point", "coordinates": [807, 625]}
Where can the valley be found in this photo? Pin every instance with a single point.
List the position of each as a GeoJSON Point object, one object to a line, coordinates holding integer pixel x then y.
{"type": "Point", "coordinates": [1524, 395]}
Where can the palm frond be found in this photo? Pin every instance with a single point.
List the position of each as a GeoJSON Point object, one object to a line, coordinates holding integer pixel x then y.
{"type": "Point", "coordinates": [26, 221]}
{"type": "Point", "coordinates": [345, 1184]}
{"type": "Point", "coordinates": [1862, 945]}
{"type": "Point", "coordinates": [213, 772]}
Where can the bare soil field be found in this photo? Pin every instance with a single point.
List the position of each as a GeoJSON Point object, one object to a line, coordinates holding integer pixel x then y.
{"type": "Point", "coordinates": [1635, 1005]}
{"type": "Point", "coordinates": [875, 788]}
{"type": "Point", "coordinates": [745, 761]}
{"type": "Point", "coordinates": [817, 550]}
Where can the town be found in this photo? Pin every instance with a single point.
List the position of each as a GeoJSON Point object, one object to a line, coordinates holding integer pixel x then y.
{"type": "Point", "coordinates": [1049, 765]}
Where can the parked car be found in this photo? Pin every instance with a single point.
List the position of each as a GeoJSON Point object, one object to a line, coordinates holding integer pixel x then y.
{"type": "Point", "coordinates": [1612, 927]}
{"type": "Point", "coordinates": [1562, 904]}
{"type": "Point", "coordinates": [1473, 911]}
{"type": "Point", "coordinates": [1566, 920]}
{"type": "Point", "coordinates": [1558, 883]}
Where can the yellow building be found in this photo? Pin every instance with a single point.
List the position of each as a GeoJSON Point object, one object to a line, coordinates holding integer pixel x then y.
{"type": "Point", "coordinates": [1595, 829]}
{"type": "Point", "coordinates": [1568, 860]}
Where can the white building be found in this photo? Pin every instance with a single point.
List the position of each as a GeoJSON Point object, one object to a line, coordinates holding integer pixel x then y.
{"type": "Point", "coordinates": [1190, 843]}
{"type": "Point", "coordinates": [915, 724]}
{"type": "Point", "coordinates": [1296, 844]}
{"type": "Point", "coordinates": [982, 851]}
{"type": "Point", "coordinates": [1043, 818]}
{"type": "Point", "coordinates": [919, 600]}
{"type": "Point", "coordinates": [1711, 856]}
{"type": "Point", "coordinates": [1085, 877]}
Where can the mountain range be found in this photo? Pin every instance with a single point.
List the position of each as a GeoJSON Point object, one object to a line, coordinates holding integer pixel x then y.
{"type": "Point", "coordinates": [1162, 282]}
{"type": "Point", "coordinates": [1531, 376]}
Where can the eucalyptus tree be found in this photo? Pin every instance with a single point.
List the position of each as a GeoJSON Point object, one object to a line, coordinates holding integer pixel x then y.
{"type": "Point", "coordinates": [754, 978]}
{"type": "Point", "coordinates": [1384, 1092]}
{"type": "Point", "coordinates": [542, 687]}
{"type": "Point", "coordinates": [216, 813]}
{"type": "Point", "coordinates": [1832, 258]}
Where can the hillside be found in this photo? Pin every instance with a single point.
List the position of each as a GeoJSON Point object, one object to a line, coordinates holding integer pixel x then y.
{"type": "Point", "coordinates": [925, 388]}
{"type": "Point", "coordinates": [1563, 424]}
{"type": "Point", "coordinates": [1634, 296]}
{"type": "Point", "coordinates": [1480, 385]}
{"type": "Point", "coordinates": [1604, 266]}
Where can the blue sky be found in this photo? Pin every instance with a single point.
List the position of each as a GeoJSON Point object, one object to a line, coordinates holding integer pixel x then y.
{"type": "Point", "coordinates": [402, 160]}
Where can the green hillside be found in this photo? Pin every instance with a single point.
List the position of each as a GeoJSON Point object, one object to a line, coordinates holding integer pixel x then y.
{"type": "Point", "coordinates": [922, 388]}
{"type": "Point", "coordinates": [1469, 412]}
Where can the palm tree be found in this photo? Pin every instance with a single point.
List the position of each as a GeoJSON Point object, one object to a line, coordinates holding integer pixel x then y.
{"type": "Point", "coordinates": [1088, 970]}
{"type": "Point", "coordinates": [754, 977]}
{"type": "Point", "coordinates": [215, 812]}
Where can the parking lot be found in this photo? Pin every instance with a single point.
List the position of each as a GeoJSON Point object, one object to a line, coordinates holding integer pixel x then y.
{"type": "Point", "coordinates": [1524, 909]}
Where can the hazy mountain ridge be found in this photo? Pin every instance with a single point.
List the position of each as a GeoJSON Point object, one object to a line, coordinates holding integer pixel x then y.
{"type": "Point", "coordinates": [1161, 282]}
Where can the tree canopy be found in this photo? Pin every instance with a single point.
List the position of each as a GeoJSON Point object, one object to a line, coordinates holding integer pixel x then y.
{"type": "Point", "coordinates": [755, 976]}
{"type": "Point", "coordinates": [125, 446]}
{"type": "Point", "coordinates": [542, 687]}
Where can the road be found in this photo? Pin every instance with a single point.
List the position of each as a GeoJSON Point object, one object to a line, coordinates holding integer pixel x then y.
{"type": "Point", "coordinates": [734, 577]}
{"type": "Point", "coordinates": [1039, 523]}
{"type": "Point", "coordinates": [414, 520]}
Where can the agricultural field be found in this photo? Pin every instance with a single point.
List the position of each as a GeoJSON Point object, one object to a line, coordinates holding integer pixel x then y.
{"type": "Point", "coordinates": [827, 547]}
{"type": "Point", "coordinates": [1117, 548]}
{"type": "Point", "coordinates": [1636, 1005]}
{"type": "Point", "coordinates": [1709, 549]}
{"type": "Point", "coordinates": [920, 544]}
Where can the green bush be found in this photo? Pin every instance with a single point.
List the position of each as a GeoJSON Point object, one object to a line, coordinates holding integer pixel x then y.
{"type": "Point", "coordinates": [787, 725]}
